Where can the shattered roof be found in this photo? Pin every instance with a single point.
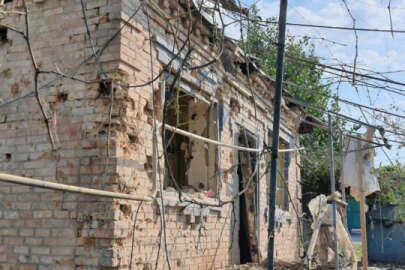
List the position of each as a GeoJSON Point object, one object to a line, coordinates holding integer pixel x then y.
{"type": "Point", "coordinates": [254, 64]}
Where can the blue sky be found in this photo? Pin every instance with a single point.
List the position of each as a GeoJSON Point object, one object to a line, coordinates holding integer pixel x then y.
{"type": "Point", "coordinates": [376, 51]}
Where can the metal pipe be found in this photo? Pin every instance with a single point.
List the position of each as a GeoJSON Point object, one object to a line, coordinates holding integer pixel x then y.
{"type": "Point", "coordinates": [276, 130]}
{"type": "Point", "coordinates": [342, 184]}
{"type": "Point", "coordinates": [62, 187]}
{"type": "Point", "coordinates": [333, 189]}
{"type": "Point", "coordinates": [215, 142]}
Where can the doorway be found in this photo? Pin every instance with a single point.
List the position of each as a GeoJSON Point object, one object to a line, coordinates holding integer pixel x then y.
{"type": "Point", "coordinates": [248, 201]}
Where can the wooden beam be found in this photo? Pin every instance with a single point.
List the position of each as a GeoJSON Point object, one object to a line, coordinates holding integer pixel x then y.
{"type": "Point", "coordinates": [362, 210]}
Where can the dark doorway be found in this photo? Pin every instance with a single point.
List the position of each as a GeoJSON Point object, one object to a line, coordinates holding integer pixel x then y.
{"type": "Point", "coordinates": [248, 200]}
{"type": "Point", "coordinates": [244, 243]}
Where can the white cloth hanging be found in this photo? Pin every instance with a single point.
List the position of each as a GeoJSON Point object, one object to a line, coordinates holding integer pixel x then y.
{"type": "Point", "coordinates": [358, 165]}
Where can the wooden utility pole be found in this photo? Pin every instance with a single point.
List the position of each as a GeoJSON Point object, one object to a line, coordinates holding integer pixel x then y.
{"type": "Point", "coordinates": [359, 161]}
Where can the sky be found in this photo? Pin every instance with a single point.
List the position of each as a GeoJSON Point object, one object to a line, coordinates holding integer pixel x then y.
{"type": "Point", "coordinates": [377, 52]}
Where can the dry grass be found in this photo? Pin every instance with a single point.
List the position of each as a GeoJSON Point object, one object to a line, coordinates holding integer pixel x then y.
{"type": "Point", "coordinates": [358, 250]}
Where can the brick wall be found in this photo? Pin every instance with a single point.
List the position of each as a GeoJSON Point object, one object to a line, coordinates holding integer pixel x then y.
{"type": "Point", "coordinates": [42, 229]}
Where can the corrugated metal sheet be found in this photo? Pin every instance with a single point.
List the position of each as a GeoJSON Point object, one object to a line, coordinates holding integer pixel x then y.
{"type": "Point", "coordinates": [385, 236]}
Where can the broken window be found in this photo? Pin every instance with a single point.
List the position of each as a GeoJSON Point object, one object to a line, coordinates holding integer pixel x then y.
{"type": "Point", "coordinates": [282, 198]}
{"type": "Point", "coordinates": [283, 164]}
{"type": "Point", "coordinates": [192, 162]}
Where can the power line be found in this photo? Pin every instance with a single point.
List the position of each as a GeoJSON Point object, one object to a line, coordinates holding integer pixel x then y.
{"type": "Point", "coordinates": [386, 80]}
{"type": "Point", "coordinates": [348, 101]}
{"type": "Point", "coordinates": [346, 28]}
{"type": "Point", "coordinates": [351, 119]}
{"type": "Point", "coordinates": [288, 35]}
{"type": "Point", "coordinates": [368, 84]}
{"type": "Point", "coordinates": [346, 71]}
{"type": "Point", "coordinates": [381, 7]}
{"type": "Point", "coordinates": [371, 72]}
{"type": "Point", "coordinates": [324, 126]}
{"type": "Point", "coordinates": [330, 26]}
{"type": "Point", "coordinates": [368, 76]}
{"type": "Point", "coordinates": [367, 107]}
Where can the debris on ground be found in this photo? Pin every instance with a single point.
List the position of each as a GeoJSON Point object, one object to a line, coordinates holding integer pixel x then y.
{"type": "Point", "coordinates": [277, 266]}
{"type": "Point", "coordinates": [254, 266]}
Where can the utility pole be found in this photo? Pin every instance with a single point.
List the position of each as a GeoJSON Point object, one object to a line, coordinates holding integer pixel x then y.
{"type": "Point", "coordinates": [276, 130]}
{"type": "Point", "coordinates": [364, 259]}
{"type": "Point", "coordinates": [333, 189]}
{"type": "Point", "coordinates": [359, 159]}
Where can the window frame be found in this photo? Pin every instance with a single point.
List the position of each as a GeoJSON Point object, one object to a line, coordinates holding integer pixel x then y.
{"type": "Point", "coordinates": [285, 143]}
{"type": "Point", "coordinates": [236, 126]}
{"type": "Point", "coordinates": [201, 97]}
{"type": "Point", "coordinates": [256, 138]}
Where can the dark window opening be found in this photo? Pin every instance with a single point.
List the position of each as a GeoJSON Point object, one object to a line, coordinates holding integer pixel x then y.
{"type": "Point", "coordinates": [192, 163]}
{"type": "Point", "coordinates": [104, 88]}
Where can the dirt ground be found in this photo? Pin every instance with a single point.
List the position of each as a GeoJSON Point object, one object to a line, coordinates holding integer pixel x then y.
{"type": "Point", "coordinates": [261, 267]}
{"type": "Point", "coordinates": [371, 267]}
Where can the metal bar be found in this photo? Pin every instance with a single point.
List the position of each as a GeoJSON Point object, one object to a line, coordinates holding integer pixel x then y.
{"type": "Point", "coordinates": [276, 130]}
{"type": "Point", "coordinates": [333, 190]}
{"type": "Point", "coordinates": [342, 184]}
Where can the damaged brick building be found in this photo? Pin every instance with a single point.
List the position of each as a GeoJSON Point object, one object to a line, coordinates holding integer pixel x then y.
{"type": "Point", "coordinates": [108, 76]}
